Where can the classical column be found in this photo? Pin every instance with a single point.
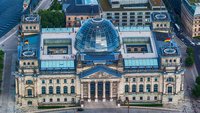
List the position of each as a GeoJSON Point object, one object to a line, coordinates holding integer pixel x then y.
{"type": "Point", "coordinates": [89, 97]}
{"type": "Point", "coordinates": [111, 91]}
{"type": "Point", "coordinates": [81, 91]}
{"type": "Point", "coordinates": [104, 91]}
{"type": "Point", "coordinates": [96, 91]}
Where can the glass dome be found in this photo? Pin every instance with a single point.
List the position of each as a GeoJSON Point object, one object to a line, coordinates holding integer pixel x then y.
{"type": "Point", "coordinates": [97, 35]}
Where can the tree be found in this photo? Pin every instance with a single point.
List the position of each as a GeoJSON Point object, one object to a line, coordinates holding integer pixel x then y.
{"type": "Point", "coordinates": [189, 61]}
{"type": "Point", "coordinates": [190, 51]}
{"type": "Point", "coordinates": [51, 19]}
{"type": "Point", "coordinates": [196, 91]}
{"type": "Point", "coordinates": [198, 80]}
{"type": "Point", "coordinates": [56, 5]}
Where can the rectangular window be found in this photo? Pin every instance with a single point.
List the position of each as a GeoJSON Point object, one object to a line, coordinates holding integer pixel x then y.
{"type": "Point", "coordinates": [141, 98]}
{"type": "Point", "coordinates": [155, 79]}
{"type": "Point", "coordinates": [29, 92]}
{"type": "Point", "coordinates": [58, 81]}
{"type": "Point", "coordinates": [141, 79]}
{"type": "Point", "coordinates": [148, 79]}
{"type": "Point", "coordinates": [65, 80]}
{"type": "Point", "coordinates": [169, 89]}
{"type": "Point", "coordinates": [126, 79]}
{"type": "Point", "coordinates": [155, 98]}
{"type": "Point", "coordinates": [43, 81]}
{"type": "Point", "coordinates": [72, 81]}
{"type": "Point", "coordinates": [133, 98]}
{"type": "Point", "coordinates": [50, 81]}
{"type": "Point", "coordinates": [133, 79]}
{"type": "Point", "coordinates": [170, 99]}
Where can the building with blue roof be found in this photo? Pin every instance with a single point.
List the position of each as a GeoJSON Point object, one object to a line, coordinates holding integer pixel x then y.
{"type": "Point", "coordinates": [190, 15]}
{"type": "Point", "coordinates": [98, 62]}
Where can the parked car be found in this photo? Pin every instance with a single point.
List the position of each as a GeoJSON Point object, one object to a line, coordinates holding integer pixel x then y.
{"type": "Point", "coordinates": [198, 43]}
{"type": "Point", "coordinates": [80, 109]}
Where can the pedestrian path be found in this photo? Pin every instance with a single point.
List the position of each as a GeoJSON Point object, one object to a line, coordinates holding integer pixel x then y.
{"type": "Point", "coordinates": [100, 104]}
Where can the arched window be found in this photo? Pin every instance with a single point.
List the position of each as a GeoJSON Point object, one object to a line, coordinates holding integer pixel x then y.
{"type": "Point", "coordinates": [29, 82]}
{"type": "Point", "coordinates": [148, 88]}
{"type": "Point", "coordinates": [43, 90]}
{"type": "Point", "coordinates": [155, 88]}
{"type": "Point", "coordinates": [24, 63]}
{"type": "Point", "coordinates": [134, 88]}
{"type": "Point", "coordinates": [126, 88]}
{"type": "Point", "coordinates": [141, 88]}
{"type": "Point", "coordinates": [50, 90]}
{"type": "Point", "coordinates": [170, 79]}
{"type": "Point", "coordinates": [65, 89]}
{"type": "Point", "coordinates": [58, 90]}
{"type": "Point", "coordinates": [72, 89]}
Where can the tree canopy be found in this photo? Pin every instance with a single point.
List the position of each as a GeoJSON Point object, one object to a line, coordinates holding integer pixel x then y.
{"type": "Point", "coordinates": [51, 19]}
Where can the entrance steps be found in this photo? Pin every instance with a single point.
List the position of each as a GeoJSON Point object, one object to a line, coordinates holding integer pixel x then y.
{"type": "Point", "coordinates": [100, 104]}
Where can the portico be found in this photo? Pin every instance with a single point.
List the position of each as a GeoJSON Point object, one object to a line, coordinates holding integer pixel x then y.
{"type": "Point", "coordinates": [99, 90]}
{"type": "Point", "coordinates": [100, 85]}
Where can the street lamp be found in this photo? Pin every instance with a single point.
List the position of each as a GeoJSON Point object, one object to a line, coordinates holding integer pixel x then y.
{"type": "Point", "coordinates": [127, 101]}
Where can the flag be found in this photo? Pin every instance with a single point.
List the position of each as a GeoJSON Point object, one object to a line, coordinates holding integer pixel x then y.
{"type": "Point", "coordinates": [167, 39]}
{"type": "Point", "coordinates": [26, 42]}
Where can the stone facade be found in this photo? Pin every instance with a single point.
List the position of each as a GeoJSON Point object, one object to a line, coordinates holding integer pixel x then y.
{"type": "Point", "coordinates": [51, 79]}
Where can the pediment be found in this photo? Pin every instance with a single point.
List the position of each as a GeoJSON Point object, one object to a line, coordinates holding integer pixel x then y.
{"type": "Point", "coordinates": [100, 75]}
{"type": "Point", "coordinates": [100, 72]}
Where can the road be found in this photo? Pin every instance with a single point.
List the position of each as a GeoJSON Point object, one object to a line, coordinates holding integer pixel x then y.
{"type": "Point", "coordinates": [113, 110]}
{"type": "Point", "coordinates": [44, 4]}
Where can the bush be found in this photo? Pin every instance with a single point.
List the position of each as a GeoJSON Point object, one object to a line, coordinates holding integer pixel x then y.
{"type": "Point", "coordinates": [50, 107]}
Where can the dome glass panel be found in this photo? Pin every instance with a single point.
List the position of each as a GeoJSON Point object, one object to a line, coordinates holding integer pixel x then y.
{"type": "Point", "coordinates": [97, 35]}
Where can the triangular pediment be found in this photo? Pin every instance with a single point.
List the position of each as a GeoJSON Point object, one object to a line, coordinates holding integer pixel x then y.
{"type": "Point", "coordinates": [100, 72]}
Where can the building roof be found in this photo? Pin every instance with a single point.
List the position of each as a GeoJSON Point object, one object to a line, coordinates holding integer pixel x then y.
{"type": "Point", "coordinates": [156, 2]}
{"type": "Point", "coordinates": [192, 2]}
{"type": "Point", "coordinates": [29, 47]}
{"type": "Point", "coordinates": [105, 6]}
{"type": "Point", "coordinates": [32, 18]}
{"type": "Point", "coordinates": [76, 7]}
{"type": "Point", "coordinates": [57, 64]}
{"type": "Point", "coordinates": [164, 16]}
{"type": "Point", "coordinates": [141, 63]}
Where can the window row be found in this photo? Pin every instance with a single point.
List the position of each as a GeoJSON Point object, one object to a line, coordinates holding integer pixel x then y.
{"type": "Point", "coordinates": [141, 98]}
{"type": "Point", "coordinates": [141, 88]}
{"type": "Point", "coordinates": [148, 79]}
{"type": "Point", "coordinates": [30, 27]}
{"type": "Point", "coordinates": [58, 81]}
{"type": "Point", "coordinates": [58, 90]}
{"type": "Point", "coordinates": [58, 100]}
{"type": "Point", "coordinates": [28, 63]}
